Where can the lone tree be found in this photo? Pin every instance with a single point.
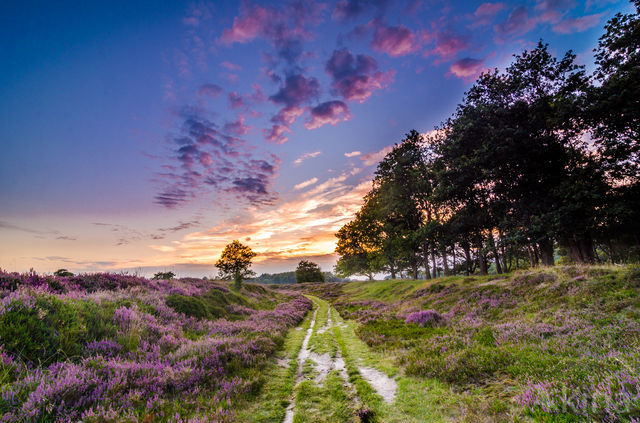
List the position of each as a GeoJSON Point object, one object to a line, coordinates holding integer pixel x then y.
{"type": "Point", "coordinates": [62, 272]}
{"type": "Point", "coordinates": [164, 275]}
{"type": "Point", "coordinates": [235, 262]}
{"type": "Point", "coordinates": [308, 271]}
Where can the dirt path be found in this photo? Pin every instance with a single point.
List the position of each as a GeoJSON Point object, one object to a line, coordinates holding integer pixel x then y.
{"type": "Point", "coordinates": [322, 368]}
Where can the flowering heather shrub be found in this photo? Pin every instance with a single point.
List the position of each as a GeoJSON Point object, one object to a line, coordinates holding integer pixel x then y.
{"type": "Point", "coordinates": [134, 357]}
{"type": "Point", "coordinates": [565, 341]}
{"type": "Point", "coordinates": [425, 318]}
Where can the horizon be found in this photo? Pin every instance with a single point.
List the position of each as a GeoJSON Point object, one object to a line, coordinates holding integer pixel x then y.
{"type": "Point", "coordinates": [144, 138]}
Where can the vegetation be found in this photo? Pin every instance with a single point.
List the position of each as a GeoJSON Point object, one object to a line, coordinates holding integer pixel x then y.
{"type": "Point", "coordinates": [234, 262]}
{"type": "Point", "coordinates": [62, 272]}
{"type": "Point", "coordinates": [509, 181]}
{"type": "Point", "coordinates": [131, 349]}
{"type": "Point", "coordinates": [164, 276]}
{"type": "Point", "coordinates": [308, 271]}
{"type": "Point", "coordinates": [553, 344]}
{"type": "Point", "coordinates": [290, 277]}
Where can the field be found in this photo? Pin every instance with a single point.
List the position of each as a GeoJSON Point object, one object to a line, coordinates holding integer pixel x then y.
{"type": "Point", "coordinates": [552, 344]}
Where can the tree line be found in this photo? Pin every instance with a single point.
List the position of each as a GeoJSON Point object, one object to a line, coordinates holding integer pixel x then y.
{"type": "Point", "coordinates": [539, 161]}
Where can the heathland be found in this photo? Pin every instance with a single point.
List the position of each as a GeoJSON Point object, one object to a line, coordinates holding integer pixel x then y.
{"type": "Point", "coordinates": [549, 344]}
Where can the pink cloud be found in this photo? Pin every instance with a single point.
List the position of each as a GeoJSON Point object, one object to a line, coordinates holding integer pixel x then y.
{"type": "Point", "coordinates": [394, 40]}
{"type": "Point", "coordinates": [281, 123]}
{"type": "Point", "coordinates": [230, 66]}
{"type": "Point", "coordinates": [236, 127]}
{"type": "Point", "coordinates": [355, 77]}
{"type": "Point", "coordinates": [330, 112]}
{"type": "Point", "coordinates": [467, 69]}
{"type": "Point", "coordinates": [373, 158]}
{"type": "Point", "coordinates": [519, 22]}
{"type": "Point", "coordinates": [485, 13]}
{"type": "Point", "coordinates": [210, 90]}
{"type": "Point", "coordinates": [573, 25]}
{"type": "Point", "coordinates": [449, 44]}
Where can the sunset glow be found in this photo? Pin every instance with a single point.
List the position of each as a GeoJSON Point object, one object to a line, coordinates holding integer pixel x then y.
{"type": "Point", "coordinates": [140, 137]}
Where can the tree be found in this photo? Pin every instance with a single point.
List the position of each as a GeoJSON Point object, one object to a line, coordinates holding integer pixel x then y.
{"type": "Point", "coordinates": [63, 273]}
{"type": "Point", "coordinates": [234, 262]}
{"type": "Point", "coordinates": [308, 271]}
{"type": "Point", "coordinates": [615, 103]}
{"type": "Point", "coordinates": [164, 275]}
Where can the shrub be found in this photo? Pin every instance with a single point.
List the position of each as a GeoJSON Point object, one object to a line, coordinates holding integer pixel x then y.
{"type": "Point", "coordinates": [425, 318]}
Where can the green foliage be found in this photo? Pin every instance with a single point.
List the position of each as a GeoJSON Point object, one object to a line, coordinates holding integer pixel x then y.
{"type": "Point", "coordinates": [164, 276]}
{"type": "Point", "coordinates": [308, 271]}
{"type": "Point", "coordinates": [62, 272]}
{"type": "Point", "coordinates": [234, 262]}
{"type": "Point", "coordinates": [210, 305]}
{"type": "Point", "coordinates": [52, 329]}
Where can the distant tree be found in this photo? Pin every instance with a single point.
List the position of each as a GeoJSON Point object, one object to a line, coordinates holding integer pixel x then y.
{"type": "Point", "coordinates": [62, 272]}
{"type": "Point", "coordinates": [308, 271]}
{"type": "Point", "coordinates": [164, 275]}
{"type": "Point", "coordinates": [234, 263]}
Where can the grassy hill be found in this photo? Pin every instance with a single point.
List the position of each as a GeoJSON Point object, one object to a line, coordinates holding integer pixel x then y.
{"type": "Point", "coordinates": [553, 344]}
{"type": "Point", "coordinates": [117, 348]}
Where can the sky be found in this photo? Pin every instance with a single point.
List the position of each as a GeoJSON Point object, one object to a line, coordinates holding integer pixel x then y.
{"type": "Point", "coordinates": [144, 136]}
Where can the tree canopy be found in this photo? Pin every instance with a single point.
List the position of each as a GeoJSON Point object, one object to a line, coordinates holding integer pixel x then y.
{"type": "Point", "coordinates": [235, 261]}
{"type": "Point", "coordinates": [308, 271]}
{"type": "Point", "coordinates": [538, 162]}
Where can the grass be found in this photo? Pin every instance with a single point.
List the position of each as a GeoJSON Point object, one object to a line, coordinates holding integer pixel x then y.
{"type": "Point", "coordinates": [277, 381]}
{"type": "Point", "coordinates": [532, 345]}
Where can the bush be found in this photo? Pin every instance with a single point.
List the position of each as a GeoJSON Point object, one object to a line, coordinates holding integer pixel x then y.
{"type": "Point", "coordinates": [425, 318]}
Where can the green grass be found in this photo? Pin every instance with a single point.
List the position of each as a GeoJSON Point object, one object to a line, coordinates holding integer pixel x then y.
{"type": "Point", "coordinates": [270, 404]}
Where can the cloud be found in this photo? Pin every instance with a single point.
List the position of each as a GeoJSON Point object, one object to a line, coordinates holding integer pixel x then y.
{"type": "Point", "coordinates": [375, 157]}
{"type": "Point", "coordinates": [305, 184]}
{"type": "Point", "coordinates": [329, 112]}
{"type": "Point", "coordinates": [519, 22]}
{"type": "Point", "coordinates": [284, 26]}
{"type": "Point", "coordinates": [304, 226]}
{"type": "Point", "coordinates": [230, 66]}
{"type": "Point", "coordinates": [352, 154]}
{"type": "Point", "coordinates": [66, 238]}
{"type": "Point", "coordinates": [210, 90]}
{"type": "Point", "coordinates": [296, 90]}
{"type": "Point", "coordinates": [449, 44]}
{"type": "Point", "coordinates": [573, 25]}
{"type": "Point", "coordinates": [467, 69]}
{"type": "Point", "coordinates": [553, 10]}
{"type": "Point", "coordinates": [306, 156]}
{"type": "Point", "coordinates": [394, 40]}
{"type": "Point", "coordinates": [236, 127]}
{"type": "Point", "coordinates": [355, 77]}
{"type": "Point", "coordinates": [349, 9]}
{"type": "Point", "coordinates": [209, 159]}
{"type": "Point", "coordinates": [485, 13]}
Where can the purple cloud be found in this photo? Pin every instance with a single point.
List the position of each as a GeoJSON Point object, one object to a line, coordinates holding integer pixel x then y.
{"type": "Point", "coordinates": [573, 25]}
{"type": "Point", "coordinates": [355, 77]}
{"type": "Point", "coordinates": [518, 22]}
{"type": "Point", "coordinates": [467, 69]}
{"type": "Point", "coordinates": [449, 44]}
{"type": "Point", "coordinates": [213, 159]}
{"type": "Point", "coordinates": [329, 112]}
{"type": "Point", "coordinates": [394, 40]}
{"type": "Point", "coordinates": [485, 13]}
{"type": "Point", "coordinates": [210, 90]}
{"type": "Point", "coordinates": [349, 9]}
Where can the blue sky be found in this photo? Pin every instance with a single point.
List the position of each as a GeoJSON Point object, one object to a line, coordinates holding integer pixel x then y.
{"type": "Point", "coordinates": [145, 136]}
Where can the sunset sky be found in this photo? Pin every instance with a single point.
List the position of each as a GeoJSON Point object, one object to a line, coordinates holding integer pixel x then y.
{"type": "Point", "coordinates": [145, 135]}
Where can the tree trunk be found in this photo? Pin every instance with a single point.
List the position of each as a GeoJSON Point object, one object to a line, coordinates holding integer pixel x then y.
{"type": "Point", "coordinates": [453, 265]}
{"type": "Point", "coordinates": [467, 256]}
{"type": "Point", "coordinates": [425, 256]}
{"type": "Point", "coordinates": [496, 256]}
{"type": "Point", "coordinates": [581, 249]}
{"type": "Point", "coordinates": [482, 262]}
{"type": "Point", "coordinates": [546, 252]}
{"type": "Point", "coordinates": [447, 272]}
{"type": "Point", "coordinates": [414, 267]}
{"type": "Point", "coordinates": [433, 263]}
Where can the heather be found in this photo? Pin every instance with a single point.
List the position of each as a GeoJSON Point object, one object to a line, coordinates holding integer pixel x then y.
{"type": "Point", "coordinates": [107, 347]}
{"type": "Point", "coordinates": [554, 344]}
